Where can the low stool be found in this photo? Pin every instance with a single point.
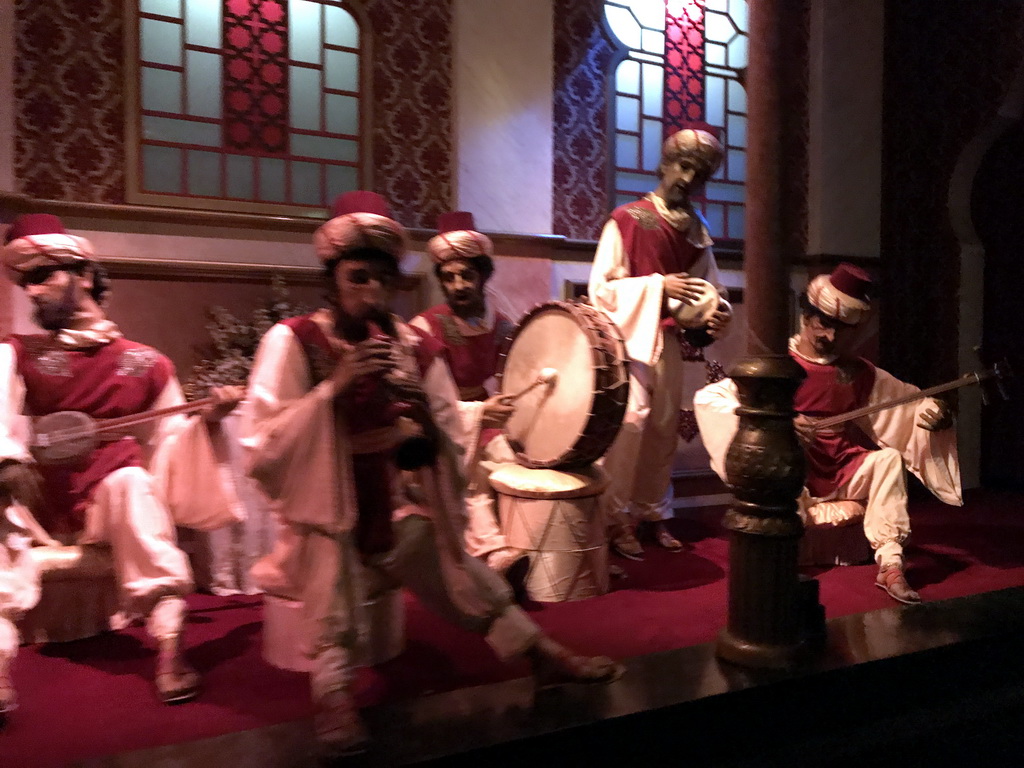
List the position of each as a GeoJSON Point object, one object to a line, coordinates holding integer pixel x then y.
{"type": "Point", "coordinates": [834, 535]}
{"type": "Point", "coordinates": [286, 632]}
{"type": "Point", "coordinates": [78, 594]}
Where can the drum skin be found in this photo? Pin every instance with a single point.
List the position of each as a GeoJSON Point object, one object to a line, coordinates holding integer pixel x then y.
{"type": "Point", "coordinates": [572, 423]}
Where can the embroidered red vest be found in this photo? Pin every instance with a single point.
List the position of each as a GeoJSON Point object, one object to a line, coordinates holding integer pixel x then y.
{"type": "Point", "coordinates": [105, 382]}
{"type": "Point", "coordinates": [652, 245]}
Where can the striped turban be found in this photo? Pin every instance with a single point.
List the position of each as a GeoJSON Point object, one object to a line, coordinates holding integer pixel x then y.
{"type": "Point", "coordinates": [698, 144]}
{"type": "Point", "coordinates": [457, 239]}
{"type": "Point", "coordinates": [359, 220]}
{"type": "Point", "coordinates": [39, 240]}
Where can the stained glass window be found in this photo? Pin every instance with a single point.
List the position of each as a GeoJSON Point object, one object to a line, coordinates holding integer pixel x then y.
{"type": "Point", "coordinates": [683, 65]}
{"type": "Point", "coordinates": [253, 104]}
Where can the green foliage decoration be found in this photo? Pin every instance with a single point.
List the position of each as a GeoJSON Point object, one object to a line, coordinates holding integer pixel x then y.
{"type": "Point", "coordinates": [229, 355]}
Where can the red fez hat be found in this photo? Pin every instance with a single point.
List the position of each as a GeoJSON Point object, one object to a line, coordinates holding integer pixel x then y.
{"type": "Point", "coordinates": [29, 224]}
{"type": "Point", "coordinates": [851, 280]}
{"type": "Point", "coordinates": [455, 221]}
{"type": "Point", "coordinates": [360, 201]}
{"type": "Point", "coordinates": [842, 294]}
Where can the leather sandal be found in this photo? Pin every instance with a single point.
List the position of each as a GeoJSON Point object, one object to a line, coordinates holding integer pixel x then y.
{"type": "Point", "coordinates": [339, 729]}
{"type": "Point", "coordinates": [8, 699]}
{"type": "Point", "coordinates": [626, 544]}
{"type": "Point", "coordinates": [666, 539]}
{"type": "Point", "coordinates": [176, 682]}
{"type": "Point", "coordinates": [892, 579]}
{"type": "Point", "coordinates": [554, 664]}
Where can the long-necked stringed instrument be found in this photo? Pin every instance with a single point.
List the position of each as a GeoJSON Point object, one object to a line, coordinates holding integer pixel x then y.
{"type": "Point", "coordinates": [999, 373]}
{"type": "Point", "coordinates": [64, 436]}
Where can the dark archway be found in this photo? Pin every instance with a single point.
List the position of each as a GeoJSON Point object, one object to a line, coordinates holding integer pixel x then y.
{"type": "Point", "coordinates": [997, 210]}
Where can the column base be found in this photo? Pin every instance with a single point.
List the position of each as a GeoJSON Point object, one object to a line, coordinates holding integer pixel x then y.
{"type": "Point", "coordinates": [759, 655]}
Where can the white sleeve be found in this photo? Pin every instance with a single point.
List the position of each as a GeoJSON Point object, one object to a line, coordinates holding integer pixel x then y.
{"type": "Point", "coordinates": [931, 456]}
{"type": "Point", "coordinates": [634, 304]}
{"type": "Point", "coordinates": [715, 408]}
{"type": "Point", "coordinates": [14, 427]}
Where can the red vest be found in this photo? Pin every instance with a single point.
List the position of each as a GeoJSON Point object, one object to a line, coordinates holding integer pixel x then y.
{"type": "Point", "coordinates": [471, 359]}
{"type": "Point", "coordinates": [107, 381]}
{"type": "Point", "coordinates": [652, 245]}
{"type": "Point", "coordinates": [368, 406]}
{"type": "Point", "coordinates": [830, 390]}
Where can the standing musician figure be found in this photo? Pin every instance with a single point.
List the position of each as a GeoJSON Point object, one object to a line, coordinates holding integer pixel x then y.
{"type": "Point", "coordinates": [862, 460]}
{"type": "Point", "coordinates": [471, 332]}
{"type": "Point", "coordinates": [127, 490]}
{"type": "Point", "coordinates": [334, 396]}
{"type": "Point", "coordinates": [653, 268]}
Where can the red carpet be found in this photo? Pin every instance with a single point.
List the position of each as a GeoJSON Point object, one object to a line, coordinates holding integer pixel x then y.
{"type": "Point", "coordinates": [93, 698]}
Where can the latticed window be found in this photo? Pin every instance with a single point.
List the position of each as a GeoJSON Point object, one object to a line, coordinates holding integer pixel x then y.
{"type": "Point", "coordinates": [683, 67]}
{"type": "Point", "coordinates": [252, 105]}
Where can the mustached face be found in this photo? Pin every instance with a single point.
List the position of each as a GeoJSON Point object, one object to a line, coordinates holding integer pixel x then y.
{"type": "Point", "coordinates": [826, 337]}
{"type": "Point", "coordinates": [463, 288]}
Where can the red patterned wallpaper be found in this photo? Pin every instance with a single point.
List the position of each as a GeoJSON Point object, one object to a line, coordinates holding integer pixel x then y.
{"type": "Point", "coordinates": [582, 56]}
{"type": "Point", "coordinates": [69, 126]}
{"type": "Point", "coordinates": [412, 112]}
{"type": "Point", "coordinates": [69, 116]}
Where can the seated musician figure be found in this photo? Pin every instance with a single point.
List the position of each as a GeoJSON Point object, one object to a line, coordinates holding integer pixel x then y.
{"type": "Point", "coordinates": [122, 490]}
{"type": "Point", "coordinates": [865, 459]}
{"type": "Point", "coordinates": [470, 333]}
{"type": "Point", "coordinates": [335, 399]}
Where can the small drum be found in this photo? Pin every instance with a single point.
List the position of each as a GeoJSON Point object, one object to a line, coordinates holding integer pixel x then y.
{"type": "Point", "coordinates": [554, 517]}
{"type": "Point", "coordinates": [572, 423]}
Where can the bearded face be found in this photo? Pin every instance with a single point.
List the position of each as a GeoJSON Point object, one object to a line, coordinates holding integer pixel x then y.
{"type": "Point", "coordinates": [363, 295]}
{"type": "Point", "coordinates": [56, 295]}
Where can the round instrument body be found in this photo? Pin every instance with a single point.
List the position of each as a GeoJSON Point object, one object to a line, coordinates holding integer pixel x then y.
{"type": "Point", "coordinates": [62, 437]}
{"type": "Point", "coordinates": [697, 314]}
{"type": "Point", "coordinates": [573, 421]}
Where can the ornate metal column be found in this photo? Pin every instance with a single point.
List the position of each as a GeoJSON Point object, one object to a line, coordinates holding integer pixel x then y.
{"type": "Point", "coordinates": [766, 626]}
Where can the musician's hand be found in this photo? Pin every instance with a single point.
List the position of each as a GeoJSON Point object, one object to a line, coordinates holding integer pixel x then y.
{"type": "Point", "coordinates": [224, 401]}
{"type": "Point", "coordinates": [496, 412]}
{"type": "Point", "coordinates": [720, 320]}
{"type": "Point", "coordinates": [367, 358]}
{"type": "Point", "coordinates": [936, 419]}
{"type": "Point", "coordinates": [22, 483]}
{"type": "Point", "coordinates": [807, 431]}
{"type": "Point", "coordinates": [686, 289]}
{"type": "Point", "coordinates": [804, 428]}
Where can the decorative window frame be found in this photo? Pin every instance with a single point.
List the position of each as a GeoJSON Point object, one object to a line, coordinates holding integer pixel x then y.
{"type": "Point", "coordinates": [136, 195]}
{"type": "Point", "coordinates": [621, 53]}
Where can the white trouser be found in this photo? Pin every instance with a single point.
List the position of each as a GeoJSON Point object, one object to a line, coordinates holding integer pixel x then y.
{"type": "Point", "coordinates": [333, 585]}
{"type": "Point", "coordinates": [639, 462]}
{"type": "Point", "coordinates": [483, 533]}
{"type": "Point", "coordinates": [150, 568]}
{"type": "Point", "coordinates": [881, 483]}
{"type": "Point", "coordinates": [19, 588]}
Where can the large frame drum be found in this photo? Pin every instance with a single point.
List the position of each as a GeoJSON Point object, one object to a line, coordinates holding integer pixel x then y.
{"type": "Point", "coordinates": [554, 517]}
{"type": "Point", "coordinates": [573, 422]}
